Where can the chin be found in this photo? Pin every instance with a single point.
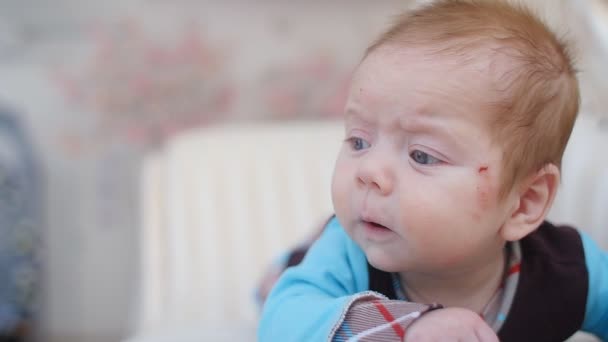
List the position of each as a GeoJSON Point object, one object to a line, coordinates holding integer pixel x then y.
{"type": "Point", "coordinates": [384, 261]}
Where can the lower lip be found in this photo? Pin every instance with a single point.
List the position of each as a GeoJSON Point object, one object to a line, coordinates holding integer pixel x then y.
{"type": "Point", "coordinates": [376, 232]}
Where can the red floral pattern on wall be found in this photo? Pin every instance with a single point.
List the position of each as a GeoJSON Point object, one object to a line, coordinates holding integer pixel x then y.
{"type": "Point", "coordinates": [142, 89]}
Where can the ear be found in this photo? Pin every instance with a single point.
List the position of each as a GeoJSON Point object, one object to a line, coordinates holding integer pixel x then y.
{"type": "Point", "coordinates": [532, 203]}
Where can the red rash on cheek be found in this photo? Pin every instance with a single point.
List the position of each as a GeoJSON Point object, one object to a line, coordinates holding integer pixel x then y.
{"type": "Point", "coordinates": [483, 192]}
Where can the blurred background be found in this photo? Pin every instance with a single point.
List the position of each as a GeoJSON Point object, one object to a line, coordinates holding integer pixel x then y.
{"type": "Point", "coordinates": [111, 113]}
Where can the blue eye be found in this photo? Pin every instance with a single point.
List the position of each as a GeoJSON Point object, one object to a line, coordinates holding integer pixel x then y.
{"type": "Point", "coordinates": [358, 144]}
{"type": "Point", "coordinates": [424, 158]}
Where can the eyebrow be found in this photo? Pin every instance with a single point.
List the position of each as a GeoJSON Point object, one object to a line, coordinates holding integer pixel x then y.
{"type": "Point", "coordinates": [356, 113]}
{"type": "Point", "coordinates": [426, 125]}
{"type": "Point", "coordinates": [418, 125]}
{"type": "Point", "coordinates": [353, 109]}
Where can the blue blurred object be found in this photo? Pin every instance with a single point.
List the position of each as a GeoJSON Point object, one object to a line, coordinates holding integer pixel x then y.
{"type": "Point", "coordinates": [20, 218]}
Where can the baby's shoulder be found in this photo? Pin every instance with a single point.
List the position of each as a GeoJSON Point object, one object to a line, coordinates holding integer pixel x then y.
{"type": "Point", "coordinates": [556, 243]}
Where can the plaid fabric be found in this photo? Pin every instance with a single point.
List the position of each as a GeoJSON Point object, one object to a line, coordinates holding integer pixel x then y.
{"type": "Point", "coordinates": [379, 320]}
{"type": "Point", "coordinates": [372, 319]}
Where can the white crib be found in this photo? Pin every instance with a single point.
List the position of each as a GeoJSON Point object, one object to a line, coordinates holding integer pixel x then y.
{"type": "Point", "coordinates": [220, 203]}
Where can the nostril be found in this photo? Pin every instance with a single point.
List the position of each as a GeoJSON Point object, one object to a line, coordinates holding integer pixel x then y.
{"type": "Point", "coordinates": [375, 178]}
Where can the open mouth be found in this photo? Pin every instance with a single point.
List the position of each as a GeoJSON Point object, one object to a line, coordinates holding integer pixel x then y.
{"type": "Point", "coordinates": [375, 231]}
{"type": "Point", "coordinates": [375, 226]}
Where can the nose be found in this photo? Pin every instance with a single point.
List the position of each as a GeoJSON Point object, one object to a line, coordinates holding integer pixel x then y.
{"type": "Point", "coordinates": [376, 174]}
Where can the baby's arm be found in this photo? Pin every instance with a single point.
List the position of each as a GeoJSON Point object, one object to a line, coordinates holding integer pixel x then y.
{"type": "Point", "coordinates": [395, 320]}
{"type": "Point", "coordinates": [327, 296]}
{"type": "Point", "coordinates": [596, 315]}
{"type": "Point", "coordinates": [309, 299]}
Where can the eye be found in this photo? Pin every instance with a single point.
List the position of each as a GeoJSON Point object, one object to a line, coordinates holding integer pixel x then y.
{"type": "Point", "coordinates": [358, 144]}
{"type": "Point", "coordinates": [424, 158]}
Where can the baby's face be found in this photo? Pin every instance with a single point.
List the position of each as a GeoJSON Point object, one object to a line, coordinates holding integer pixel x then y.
{"type": "Point", "coordinates": [416, 182]}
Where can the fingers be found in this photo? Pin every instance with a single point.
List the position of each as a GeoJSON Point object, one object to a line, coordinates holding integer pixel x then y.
{"type": "Point", "coordinates": [485, 334]}
{"type": "Point", "coordinates": [451, 324]}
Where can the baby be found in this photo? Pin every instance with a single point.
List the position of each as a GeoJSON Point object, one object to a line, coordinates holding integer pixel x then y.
{"type": "Point", "coordinates": [456, 122]}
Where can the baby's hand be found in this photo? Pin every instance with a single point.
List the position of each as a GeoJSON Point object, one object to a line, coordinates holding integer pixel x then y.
{"type": "Point", "coordinates": [451, 324]}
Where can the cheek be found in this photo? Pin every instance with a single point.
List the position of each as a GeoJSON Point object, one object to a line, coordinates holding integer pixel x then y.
{"type": "Point", "coordinates": [486, 192]}
{"type": "Point", "coordinates": [437, 229]}
{"type": "Point", "coordinates": [441, 225]}
{"type": "Point", "coordinates": [428, 204]}
{"type": "Point", "coordinates": [452, 200]}
{"type": "Point", "coordinates": [443, 217]}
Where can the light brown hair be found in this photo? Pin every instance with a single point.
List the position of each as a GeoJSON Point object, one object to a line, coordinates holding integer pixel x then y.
{"type": "Point", "coordinates": [534, 116]}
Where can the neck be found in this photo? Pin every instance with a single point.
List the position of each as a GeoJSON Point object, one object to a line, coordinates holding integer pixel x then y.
{"type": "Point", "coordinates": [469, 287]}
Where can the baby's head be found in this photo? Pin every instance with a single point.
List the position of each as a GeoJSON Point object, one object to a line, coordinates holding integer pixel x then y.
{"type": "Point", "coordinates": [456, 122]}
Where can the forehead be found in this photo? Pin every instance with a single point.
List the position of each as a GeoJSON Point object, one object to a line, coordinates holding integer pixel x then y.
{"type": "Point", "coordinates": [418, 80]}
